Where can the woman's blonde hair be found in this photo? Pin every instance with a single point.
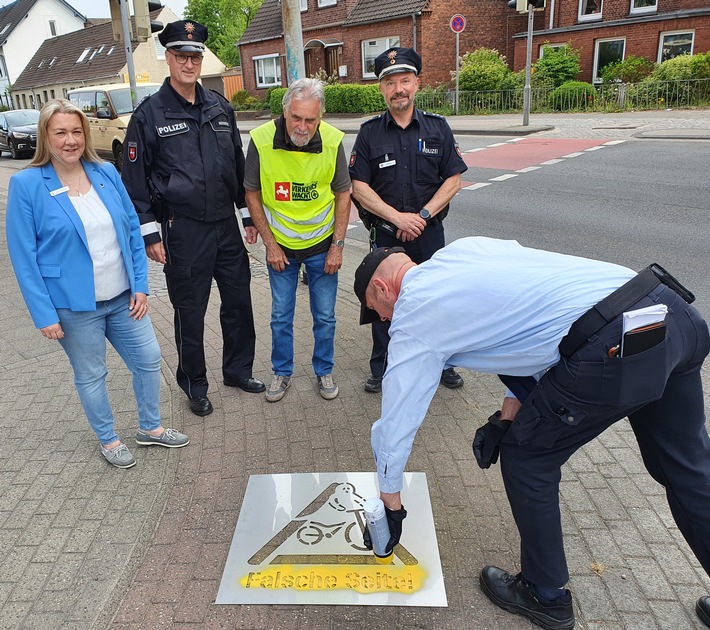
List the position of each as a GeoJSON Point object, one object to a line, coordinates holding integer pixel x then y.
{"type": "Point", "coordinates": [43, 155]}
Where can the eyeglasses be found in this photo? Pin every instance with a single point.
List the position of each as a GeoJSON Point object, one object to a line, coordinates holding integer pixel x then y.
{"type": "Point", "coordinates": [182, 59]}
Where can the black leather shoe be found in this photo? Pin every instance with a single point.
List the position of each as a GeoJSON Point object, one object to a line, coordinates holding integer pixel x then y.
{"type": "Point", "coordinates": [703, 610]}
{"type": "Point", "coordinates": [250, 385]}
{"type": "Point", "coordinates": [518, 596]}
{"type": "Point", "coordinates": [374, 384]}
{"type": "Point", "coordinates": [201, 406]}
{"type": "Point", "coordinates": [450, 379]}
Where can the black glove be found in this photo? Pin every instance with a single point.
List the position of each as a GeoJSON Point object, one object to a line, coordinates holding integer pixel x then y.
{"type": "Point", "coordinates": [486, 443]}
{"type": "Point", "coordinates": [394, 521]}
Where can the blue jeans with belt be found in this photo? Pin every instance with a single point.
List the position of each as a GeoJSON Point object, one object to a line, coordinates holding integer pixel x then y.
{"type": "Point", "coordinates": [660, 390]}
{"type": "Point", "coordinates": [322, 290]}
{"type": "Point", "coordinates": [84, 341]}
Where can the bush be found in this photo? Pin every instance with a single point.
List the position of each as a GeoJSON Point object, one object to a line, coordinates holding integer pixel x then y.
{"type": "Point", "coordinates": [573, 95]}
{"type": "Point", "coordinates": [630, 70]}
{"type": "Point", "coordinates": [483, 69]}
{"type": "Point", "coordinates": [275, 97]}
{"type": "Point", "coordinates": [354, 99]}
{"type": "Point", "coordinates": [340, 99]}
{"type": "Point", "coordinates": [677, 69]}
{"type": "Point", "coordinates": [556, 66]}
{"type": "Point", "coordinates": [700, 65]}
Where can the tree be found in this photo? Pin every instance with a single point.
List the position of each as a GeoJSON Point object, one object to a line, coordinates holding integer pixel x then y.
{"type": "Point", "coordinates": [226, 21]}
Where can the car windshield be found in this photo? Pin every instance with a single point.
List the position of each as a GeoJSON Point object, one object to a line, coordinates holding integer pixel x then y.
{"type": "Point", "coordinates": [22, 117]}
{"type": "Point", "coordinates": [121, 99]}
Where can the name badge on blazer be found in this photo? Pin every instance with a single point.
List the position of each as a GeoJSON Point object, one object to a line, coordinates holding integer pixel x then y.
{"type": "Point", "coordinates": [58, 191]}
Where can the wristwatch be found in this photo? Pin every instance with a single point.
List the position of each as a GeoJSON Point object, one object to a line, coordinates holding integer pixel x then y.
{"type": "Point", "coordinates": [339, 243]}
{"type": "Point", "coordinates": [425, 214]}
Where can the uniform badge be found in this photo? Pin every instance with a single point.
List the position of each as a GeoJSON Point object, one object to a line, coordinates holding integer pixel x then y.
{"type": "Point", "coordinates": [132, 151]}
{"type": "Point", "coordinates": [458, 150]}
{"type": "Point", "coordinates": [392, 55]}
{"type": "Point", "coordinates": [189, 29]}
{"type": "Point", "coordinates": [352, 159]}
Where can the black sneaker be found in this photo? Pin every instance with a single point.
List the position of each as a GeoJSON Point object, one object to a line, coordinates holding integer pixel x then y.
{"type": "Point", "coordinates": [703, 610]}
{"type": "Point", "coordinates": [450, 379]}
{"type": "Point", "coordinates": [374, 384]}
{"type": "Point", "coordinates": [518, 596]}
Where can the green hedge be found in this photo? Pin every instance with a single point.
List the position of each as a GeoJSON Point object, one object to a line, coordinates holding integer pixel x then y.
{"type": "Point", "coordinates": [341, 99]}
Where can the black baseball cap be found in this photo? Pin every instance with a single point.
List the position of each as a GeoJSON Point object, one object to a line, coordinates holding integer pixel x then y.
{"type": "Point", "coordinates": [185, 36]}
{"type": "Point", "coordinates": [397, 60]}
{"type": "Point", "coordinates": [363, 275]}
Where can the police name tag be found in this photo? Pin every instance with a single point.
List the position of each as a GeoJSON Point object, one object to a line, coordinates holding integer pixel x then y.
{"type": "Point", "coordinates": [388, 163]}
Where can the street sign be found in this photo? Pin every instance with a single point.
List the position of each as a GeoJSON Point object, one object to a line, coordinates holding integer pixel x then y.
{"type": "Point", "coordinates": [457, 23]}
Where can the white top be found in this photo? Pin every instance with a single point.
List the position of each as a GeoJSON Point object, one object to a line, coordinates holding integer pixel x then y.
{"type": "Point", "coordinates": [483, 304]}
{"type": "Point", "coordinates": [110, 276]}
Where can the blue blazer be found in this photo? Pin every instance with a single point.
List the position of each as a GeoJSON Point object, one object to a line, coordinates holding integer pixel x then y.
{"type": "Point", "coordinates": [47, 241]}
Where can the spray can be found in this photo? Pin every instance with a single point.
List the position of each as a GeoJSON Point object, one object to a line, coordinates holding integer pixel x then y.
{"type": "Point", "coordinates": [379, 529]}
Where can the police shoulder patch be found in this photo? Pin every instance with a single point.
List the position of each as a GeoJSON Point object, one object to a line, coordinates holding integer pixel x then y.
{"type": "Point", "coordinates": [353, 156]}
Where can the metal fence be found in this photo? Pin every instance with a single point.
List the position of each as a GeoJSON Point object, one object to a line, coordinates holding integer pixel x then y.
{"type": "Point", "coordinates": [616, 97]}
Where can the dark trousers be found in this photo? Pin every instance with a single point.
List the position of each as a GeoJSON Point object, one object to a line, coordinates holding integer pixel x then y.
{"type": "Point", "coordinates": [419, 250]}
{"type": "Point", "coordinates": [197, 252]}
{"type": "Point", "coordinates": [660, 390]}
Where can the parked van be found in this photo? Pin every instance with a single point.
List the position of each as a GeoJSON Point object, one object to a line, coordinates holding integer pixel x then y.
{"type": "Point", "coordinates": [109, 108]}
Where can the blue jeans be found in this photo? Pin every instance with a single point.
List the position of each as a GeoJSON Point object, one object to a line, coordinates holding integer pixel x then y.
{"type": "Point", "coordinates": [85, 334]}
{"type": "Point", "coordinates": [322, 289]}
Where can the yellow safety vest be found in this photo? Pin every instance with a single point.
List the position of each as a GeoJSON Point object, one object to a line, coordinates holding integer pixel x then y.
{"type": "Point", "coordinates": [295, 187]}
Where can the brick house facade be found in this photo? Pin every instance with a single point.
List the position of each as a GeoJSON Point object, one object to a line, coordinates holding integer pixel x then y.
{"type": "Point", "coordinates": [610, 30]}
{"type": "Point", "coordinates": [343, 36]}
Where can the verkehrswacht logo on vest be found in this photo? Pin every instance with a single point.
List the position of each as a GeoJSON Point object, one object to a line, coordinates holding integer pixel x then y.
{"type": "Point", "coordinates": [295, 191]}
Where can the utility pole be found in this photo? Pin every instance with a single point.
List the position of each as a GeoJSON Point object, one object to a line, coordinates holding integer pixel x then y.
{"type": "Point", "coordinates": [293, 40]}
{"type": "Point", "coordinates": [527, 90]}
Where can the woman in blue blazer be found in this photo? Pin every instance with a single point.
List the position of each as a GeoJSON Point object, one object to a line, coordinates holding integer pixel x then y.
{"type": "Point", "coordinates": [78, 255]}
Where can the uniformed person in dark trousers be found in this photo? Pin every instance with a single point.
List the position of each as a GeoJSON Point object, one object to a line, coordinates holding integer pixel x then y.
{"type": "Point", "coordinates": [553, 325]}
{"type": "Point", "coordinates": [184, 171]}
{"type": "Point", "coordinates": [405, 169]}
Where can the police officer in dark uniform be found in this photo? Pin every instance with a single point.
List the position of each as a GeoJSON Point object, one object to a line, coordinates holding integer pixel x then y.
{"type": "Point", "coordinates": [184, 170]}
{"type": "Point", "coordinates": [405, 168]}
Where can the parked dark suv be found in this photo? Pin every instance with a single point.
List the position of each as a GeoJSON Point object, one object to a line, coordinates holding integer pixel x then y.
{"type": "Point", "coordinates": [18, 131]}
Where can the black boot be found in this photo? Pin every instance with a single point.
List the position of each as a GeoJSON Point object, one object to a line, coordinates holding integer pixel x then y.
{"type": "Point", "coordinates": [518, 596]}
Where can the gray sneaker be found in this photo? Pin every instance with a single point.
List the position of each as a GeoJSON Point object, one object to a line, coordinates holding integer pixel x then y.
{"type": "Point", "coordinates": [170, 438]}
{"type": "Point", "coordinates": [119, 456]}
{"type": "Point", "coordinates": [278, 387]}
{"type": "Point", "coordinates": [327, 387]}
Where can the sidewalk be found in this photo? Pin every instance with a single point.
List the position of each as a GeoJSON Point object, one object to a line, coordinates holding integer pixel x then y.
{"type": "Point", "coordinates": [685, 124]}
{"type": "Point", "coordinates": [86, 546]}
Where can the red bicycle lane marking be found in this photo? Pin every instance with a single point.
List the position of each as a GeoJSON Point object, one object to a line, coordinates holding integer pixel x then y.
{"type": "Point", "coordinates": [514, 156]}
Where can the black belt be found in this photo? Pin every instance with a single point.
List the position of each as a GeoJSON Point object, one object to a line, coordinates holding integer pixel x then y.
{"type": "Point", "coordinates": [617, 302]}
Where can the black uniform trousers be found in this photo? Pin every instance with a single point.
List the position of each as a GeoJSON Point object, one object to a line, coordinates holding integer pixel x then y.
{"type": "Point", "coordinates": [196, 252]}
{"type": "Point", "coordinates": [660, 390]}
{"type": "Point", "coordinates": [419, 250]}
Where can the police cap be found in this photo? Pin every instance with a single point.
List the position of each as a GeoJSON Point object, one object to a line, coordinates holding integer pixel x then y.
{"type": "Point", "coordinates": [363, 275]}
{"type": "Point", "coordinates": [184, 35]}
{"type": "Point", "coordinates": [397, 60]}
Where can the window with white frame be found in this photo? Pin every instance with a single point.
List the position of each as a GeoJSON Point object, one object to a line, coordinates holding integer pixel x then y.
{"type": "Point", "coordinates": [675, 43]}
{"type": "Point", "coordinates": [370, 49]}
{"type": "Point", "coordinates": [53, 28]}
{"type": "Point", "coordinates": [551, 47]}
{"type": "Point", "coordinates": [590, 10]}
{"type": "Point", "coordinates": [643, 6]}
{"type": "Point", "coordinates": [327, 3]}
{"type": "Point", "coordinates": [304, 5]}
{"type": "Point", "coordinates": [607, 51]}
{"type": "Point", "coordinates": [268, 71]}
